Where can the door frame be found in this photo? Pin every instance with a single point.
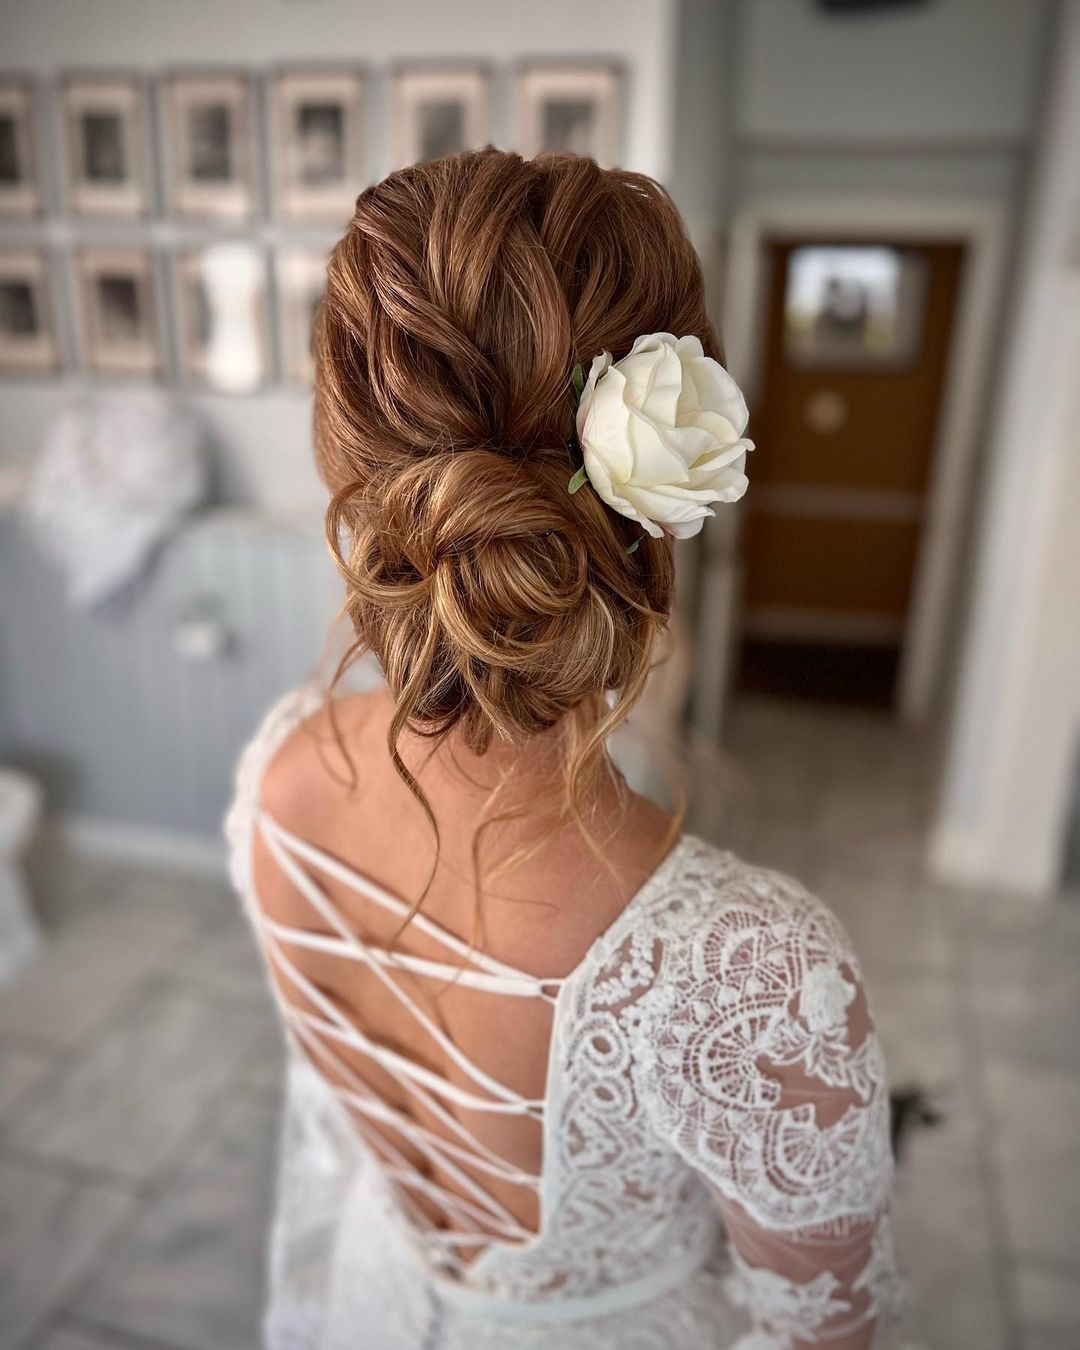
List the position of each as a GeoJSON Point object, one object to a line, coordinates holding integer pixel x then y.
{"type": "Point", "coordinates": [981, 225]}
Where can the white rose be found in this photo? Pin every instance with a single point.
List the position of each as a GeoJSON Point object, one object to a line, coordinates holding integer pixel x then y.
{"type": "Point", "coordinates": [661, 434]}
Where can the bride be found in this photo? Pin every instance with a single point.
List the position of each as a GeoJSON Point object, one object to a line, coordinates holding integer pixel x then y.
{"type": "Point", "coordinates": [560, 1074]}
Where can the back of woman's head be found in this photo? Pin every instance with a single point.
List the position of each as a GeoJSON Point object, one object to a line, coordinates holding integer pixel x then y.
{"type": "Point", "coordinates": [457, 305]}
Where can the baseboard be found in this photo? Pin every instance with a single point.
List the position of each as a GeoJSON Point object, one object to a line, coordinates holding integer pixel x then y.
{"type": "Point", "coordinates": [172, 849]}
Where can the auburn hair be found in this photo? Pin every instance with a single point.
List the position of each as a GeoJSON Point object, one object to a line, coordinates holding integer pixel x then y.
{"type": "Point", "coordinates": [457, 304]}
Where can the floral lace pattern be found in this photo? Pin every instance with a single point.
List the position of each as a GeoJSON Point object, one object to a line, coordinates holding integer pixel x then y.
{"type": "Point", "coordinates": [716, 1148]}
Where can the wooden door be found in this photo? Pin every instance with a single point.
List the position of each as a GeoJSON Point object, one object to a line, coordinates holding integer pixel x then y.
{"type": "Point", "coordinates": [857, 339]}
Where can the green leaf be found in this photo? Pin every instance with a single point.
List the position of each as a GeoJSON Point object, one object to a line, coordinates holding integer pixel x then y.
{"type": "Point", "coordinates": [577, 379]}
{"type": "Point", "coordinates": [633, 547]}
{"type": "Point", "coordinates": [577, 481]}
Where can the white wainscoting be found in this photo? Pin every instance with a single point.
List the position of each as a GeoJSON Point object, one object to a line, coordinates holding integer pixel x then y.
{"type": "Point", "coordinates": [133, 716]}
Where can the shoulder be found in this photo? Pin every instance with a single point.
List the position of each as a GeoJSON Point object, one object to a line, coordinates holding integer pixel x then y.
{"type": "Point", "coordinates": [298, 748]}
{"type": "Point", "coordinates": [278, 722]}
{"type": "Point", "coordinates": [715, 902]}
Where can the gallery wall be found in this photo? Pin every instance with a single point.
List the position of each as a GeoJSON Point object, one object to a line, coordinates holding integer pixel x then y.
{"type": "Point", "coordinates": [262, 439]}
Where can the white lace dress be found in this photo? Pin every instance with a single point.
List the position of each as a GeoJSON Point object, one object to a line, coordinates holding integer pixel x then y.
{"type": "Point", "coordinates": [716, 1160]}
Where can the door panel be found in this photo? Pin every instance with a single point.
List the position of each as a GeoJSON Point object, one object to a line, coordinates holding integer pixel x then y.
{"type": "Point", "coordinates": [854, 366]}
{"type": "Point", "coordinates": [821, 564]}
{"type": "Point", "coordinates": [885, 437]}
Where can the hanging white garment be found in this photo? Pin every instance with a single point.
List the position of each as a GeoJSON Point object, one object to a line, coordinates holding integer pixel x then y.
{"type": "Point", "coordinates": [116, 473]}
{"type": "Point", "coordinates": [716, 1159]}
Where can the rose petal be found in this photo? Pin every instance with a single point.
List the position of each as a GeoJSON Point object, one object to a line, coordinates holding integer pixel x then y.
{"type": "Point", "coordinates": [689, 347]}
{"type": "Point", "coordinates": [718, 392]}
{"type": "Point", "coordinates": [686, 529]}
{"type": "Point", "coordinates": [604, 428]}
{"type": "Point", "coordinates": [656, 460]}
{"type": "Point", "coordinates": [721, 458]}
{"type": "Point", "coordinates": [664, 388]}
{"type": "Point", "coordinates": [605, 489]}
{"type": "Point", "coordinates": [599, 365]}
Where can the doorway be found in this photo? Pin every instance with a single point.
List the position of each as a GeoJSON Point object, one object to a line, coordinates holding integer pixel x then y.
{"type": "Point", "coordinates": [856, 337]}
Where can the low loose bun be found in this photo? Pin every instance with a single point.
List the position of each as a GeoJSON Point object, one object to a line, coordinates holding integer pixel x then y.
{"type": "Point", "coordinates": [500, 599]}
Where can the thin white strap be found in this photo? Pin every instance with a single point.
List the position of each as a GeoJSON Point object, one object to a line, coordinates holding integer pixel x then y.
{"type": "Point", "coordinates": [399, 1064]}
{"type": "Point", "coordinates": [492, 1208]}
{"type": "Point", "coordinates": [313, 892]}
{"type": "Point", "coordinates": [333, 945]}
{"type": "Point", "coordinates": [378, 1110]}
{"type": "Point", "coordinates": [431, 1103]}
{"type": "Point", "coordinates": [355, 880]}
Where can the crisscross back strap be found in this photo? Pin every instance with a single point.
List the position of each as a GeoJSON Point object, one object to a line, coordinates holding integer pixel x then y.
{"type": "Point", "coordinates": [476, 1218]}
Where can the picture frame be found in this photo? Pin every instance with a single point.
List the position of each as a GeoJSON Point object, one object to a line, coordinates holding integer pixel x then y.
{"type": "Point", "coordinates": [300, 275]}
{"type": "Point", "coordinates": [29, 343]}
{"type": "Point", "coordinates": [573, 106]}
{"type": "Point", "coordinates": [20, 176]}
{"type": "Point", "coordinates": [438, 111]}
{"type": "Point", "coordinates": [209, 122]}
{"type": "Point", "coordinates": [107, 155]}
{"type": "Point", "coordinates": [854, 306]}
{"type": "Point", "coordinates": [317, 147]}
{"type": "Point", "coordinates": [118, 306]}
{"type": "Point", "coordinates": [222, 314]}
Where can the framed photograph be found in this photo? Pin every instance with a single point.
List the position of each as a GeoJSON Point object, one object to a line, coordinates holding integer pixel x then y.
{"type": "Point", "coordinates": [210, 134]}
{"type": "Point", "coordinates": [854, 305]}
{"type": "Point", "coordinates": [222, 312]}
{"type": "Point", "coordinates": [317, 143]}
{"type": "Point", "coordinates": [118, 311]}
{"type": "Point", "coordinates": [20, 185]}
{"type": "Point", "coordinates": [301, 280]}
{"type": "Point", "coordinates": [107, 156]}
{"type": "Point", "coordinates": [28, 340]}
{"type": "Point", "coordinates": [439, 111]}
{"type": "Point", "coordinates": [571, 107]}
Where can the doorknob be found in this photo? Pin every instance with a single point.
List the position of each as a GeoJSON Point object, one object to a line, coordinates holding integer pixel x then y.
{"type": "Point", "coordinates": [825, 411]}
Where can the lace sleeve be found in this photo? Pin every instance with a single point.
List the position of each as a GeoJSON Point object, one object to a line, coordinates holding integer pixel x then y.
{"type": "Point", "coordinates": [762, 1069]}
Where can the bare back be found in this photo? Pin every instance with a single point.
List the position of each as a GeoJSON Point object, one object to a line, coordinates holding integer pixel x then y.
{"type": "Point", "coordinates": [540, 918]}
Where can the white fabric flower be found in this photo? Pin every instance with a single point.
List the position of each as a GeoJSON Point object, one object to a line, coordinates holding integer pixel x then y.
{"type": "Point", "coordinates": [661, 434]}
{"type": "Point", "coordinates": [824, 998]}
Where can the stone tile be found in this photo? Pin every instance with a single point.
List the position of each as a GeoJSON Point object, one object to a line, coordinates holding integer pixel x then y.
{"type": "Point", "coordinates": [1037, 1154]}
{"type": "Point", "coordinates": [190, 1270]}
{"type": "Point", "coordinates": [1019, 964]}
{"type": "Point", "coordinates": [867, 827]}
{"type": "Point", "coordinates": [943, 1228]}
{"type": "Point", "coordinates": [21, 1070]}
{"type": "Point", "coordinates": [51, 1229]}
{"type": "Point", "coordinates": [91, 968]}
{"type": "Point", "coordinates": [915, 1020]}
{"type": "Point", "coordinates": [68, 1336]}
{"type": "Point", "coordinates": [783, 847]}
{"type": "Point", "coordinates": [1047, 1307]}
{"type": "Point", "coordinates": [63, 883]}
{"type": "Point", "coordinates": [1031, 1021]}
{"type": "Point", "coordinates": [138, 1092]}
{"type": "Point", "coordinates": [263, 1068]}
{"type": "Point", "coordinates": [223, 956]}
{"type": "Point", "coordinates": [896, 924]}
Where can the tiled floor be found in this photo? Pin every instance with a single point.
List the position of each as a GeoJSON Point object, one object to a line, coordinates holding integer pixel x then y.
{"type": "Point", "coordinates": [138, 1070]}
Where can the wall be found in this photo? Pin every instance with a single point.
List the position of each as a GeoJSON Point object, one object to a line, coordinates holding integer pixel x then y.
{"type": "Point", "coordinates": [264, 439]}
{"type": "Point", "coordinates": [1016, 735]}
{"type": "Point", "coordinates": [118, 720]}
{"type": "Point", "coordinates": [925, 98]}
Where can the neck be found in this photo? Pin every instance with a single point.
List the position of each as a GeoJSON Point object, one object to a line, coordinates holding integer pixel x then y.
{"type": "Point", "coordinates": [527, 772]}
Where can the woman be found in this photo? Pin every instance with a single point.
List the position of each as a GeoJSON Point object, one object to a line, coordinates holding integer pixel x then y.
{"type": "Point", "coordinates": [560, 1075]}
